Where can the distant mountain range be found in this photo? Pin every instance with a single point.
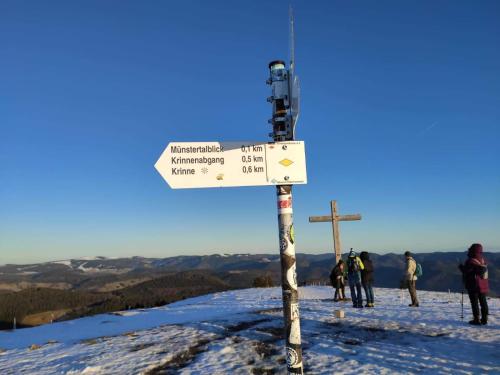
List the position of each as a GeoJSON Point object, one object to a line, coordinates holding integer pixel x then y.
{"type": "Point", "coordinates": [40, 293]}
{"type": "Point", "coordinates": [100, 274]}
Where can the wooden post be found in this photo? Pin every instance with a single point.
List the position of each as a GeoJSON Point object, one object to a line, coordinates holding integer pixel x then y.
{"type": "Point", "coordinates": [334, 218]}
{"type": "Point", "coordinates": [335, 228]}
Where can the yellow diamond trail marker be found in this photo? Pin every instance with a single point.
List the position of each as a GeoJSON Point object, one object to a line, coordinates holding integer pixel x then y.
{"type": "Point", "coordinates": [187, 165]}
{"type": "Point", "coordinates": [286, 162]}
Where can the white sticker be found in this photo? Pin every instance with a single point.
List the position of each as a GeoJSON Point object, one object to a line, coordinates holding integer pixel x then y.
{"type": "Point", "coordinates": [291, 277]}
{"type": "Point", "coordinates": [292, 358]}
{"type": "Point", "coordinates": [294, 337]}
{"type": "Point", "coordinates": [294, 311]}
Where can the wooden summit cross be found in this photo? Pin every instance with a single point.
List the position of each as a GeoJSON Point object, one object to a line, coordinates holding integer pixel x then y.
{"type": "Point", "coordinates": [334, 219]}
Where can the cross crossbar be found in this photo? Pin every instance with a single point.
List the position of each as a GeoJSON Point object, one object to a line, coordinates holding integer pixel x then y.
{"type": "Point", "coordinates": [324, 219]}
{"type": "Point", "coordinates": [334, 218]}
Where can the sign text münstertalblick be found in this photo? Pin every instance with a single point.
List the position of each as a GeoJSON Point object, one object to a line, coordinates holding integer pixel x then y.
{"type": "Point", "coordinates": [220, 164]}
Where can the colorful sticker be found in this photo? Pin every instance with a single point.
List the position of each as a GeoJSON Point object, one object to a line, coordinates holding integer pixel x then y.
{"type": "Point", "coordinates": [291, 234]}
{"type": "Point", "coordinates": [285, 204]}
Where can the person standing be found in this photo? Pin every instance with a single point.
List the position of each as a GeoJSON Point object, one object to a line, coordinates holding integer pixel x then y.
{"type": "Point", "coordinates": [337, 280]}
{"type": "Point", "coordinates": [367, 278]}
{"type": "Point", "coordinates": [344, 276]}
{"type": "Point", "coordinates": [354, 268]}
{"type": "Point", "coordinates": [410, 279]}
{"type": "Point", "coordinates": [475, 275]}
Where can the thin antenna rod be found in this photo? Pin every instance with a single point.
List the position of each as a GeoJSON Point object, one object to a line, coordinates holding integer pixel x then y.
{"type": "Point", "coordinates": [292, 40]}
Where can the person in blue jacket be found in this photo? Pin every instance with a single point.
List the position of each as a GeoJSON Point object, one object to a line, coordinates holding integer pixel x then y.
{"type": "Point", "coordinates": [354, 268]}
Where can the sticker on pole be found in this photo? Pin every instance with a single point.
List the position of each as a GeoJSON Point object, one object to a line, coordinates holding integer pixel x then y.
{"type": "Point", "coordinates": [187, 165]}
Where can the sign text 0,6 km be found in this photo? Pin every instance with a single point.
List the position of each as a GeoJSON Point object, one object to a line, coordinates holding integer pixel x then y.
{"type": "Point", "coordinates": [221, 164]}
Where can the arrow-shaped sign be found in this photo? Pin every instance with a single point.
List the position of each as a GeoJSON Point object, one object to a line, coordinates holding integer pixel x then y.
{"type": "Point", "coordinates": [222, 164]}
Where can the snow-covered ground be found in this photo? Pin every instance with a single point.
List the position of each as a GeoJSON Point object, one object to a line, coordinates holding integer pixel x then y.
{"type": "Point", "coordinates": [240, 332]}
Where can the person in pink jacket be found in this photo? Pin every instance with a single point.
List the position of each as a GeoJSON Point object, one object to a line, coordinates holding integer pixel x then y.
{"type": "Point", "coordinates": [475, 276]}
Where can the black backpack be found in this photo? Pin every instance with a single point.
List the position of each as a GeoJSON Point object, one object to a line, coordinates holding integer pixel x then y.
{"type": "Point", "coordinates": [352, 265]}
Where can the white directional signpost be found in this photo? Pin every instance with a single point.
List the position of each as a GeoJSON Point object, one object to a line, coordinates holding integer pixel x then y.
{"type": "Point", "coordinates": [282, 163]}
{"type": "Point", "coordinates": [187, 165]}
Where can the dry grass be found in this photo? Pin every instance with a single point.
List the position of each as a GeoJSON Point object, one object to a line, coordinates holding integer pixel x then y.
{"type": "Point", "coordinates": [117, 285]}
{"type": "Point", "coordinates": [18, 286]}
{"type": "Point", "coordinates": [43, 318]}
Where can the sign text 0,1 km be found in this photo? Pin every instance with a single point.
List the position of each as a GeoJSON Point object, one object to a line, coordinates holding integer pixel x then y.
{"type": "Point", "coordinates": [187, 165]}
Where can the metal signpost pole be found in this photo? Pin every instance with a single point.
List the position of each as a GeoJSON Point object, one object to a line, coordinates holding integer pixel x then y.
{"type": "Point", "coordinates": [283, 124]}
{"type": "Point", "coordinates": [289, 280]}
{"type": "Point", "coordinates": [186, 165]}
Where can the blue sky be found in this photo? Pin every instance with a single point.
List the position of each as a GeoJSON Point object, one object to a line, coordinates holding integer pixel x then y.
{"type": "Point", "coordinates": [400, 115]}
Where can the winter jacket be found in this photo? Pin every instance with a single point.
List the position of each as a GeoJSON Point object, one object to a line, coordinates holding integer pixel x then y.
{"type": "Point", "coordinates": [411, 267]}
{"type": "Point", "coordinates": [367, 272]}
{"type": "Point", "coordinates": [338, 272]}
{"type": "Point", "coordinates": [473, 269]}
{"type": "Point", "coordinates": [337, 276]}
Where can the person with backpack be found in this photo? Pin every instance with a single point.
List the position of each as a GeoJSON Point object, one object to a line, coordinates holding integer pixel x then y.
{"type": "Point", "coordinates": [475, 276]}
{"type": "Point", "coordinates": [354, 268]}
{"type": "Point", "coordinates": [337, 280]}
{"type": "Point", "coordinates": [367, 278]}
{"type": "Point", "coordinates": [410, 278]}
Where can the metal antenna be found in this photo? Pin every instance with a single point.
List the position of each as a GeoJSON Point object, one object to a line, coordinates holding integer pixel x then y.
{"type": "Point", "coordinates": [293, 80]}
{"type": "Point", "coordinates": [292, 41]}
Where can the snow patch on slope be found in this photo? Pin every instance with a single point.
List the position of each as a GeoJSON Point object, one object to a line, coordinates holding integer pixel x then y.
{"type": "Point", "coordinates": [241, 332]}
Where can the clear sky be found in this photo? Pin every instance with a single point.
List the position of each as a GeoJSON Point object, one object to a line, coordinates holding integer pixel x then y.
{"type": "Point", "coordinates": [400, 115]}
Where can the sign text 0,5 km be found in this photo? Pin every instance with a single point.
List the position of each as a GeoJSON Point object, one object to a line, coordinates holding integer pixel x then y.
{"type": "Point", "coordinates": [220, 164]}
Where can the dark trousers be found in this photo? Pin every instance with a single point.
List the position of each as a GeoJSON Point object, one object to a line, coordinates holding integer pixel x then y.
{"type": "Point", "coordinates": [367, 286]}
{"type": "Point", "coordinates": [477, 299]}
{"type": "Point", "coordinates": [412, 288]}
{"type": "Point", "coordinates": [338, 294]}
{"type": "Point", "coordinates": [339, 290]}
{"type": "Point", "coordinates": [357, 298]}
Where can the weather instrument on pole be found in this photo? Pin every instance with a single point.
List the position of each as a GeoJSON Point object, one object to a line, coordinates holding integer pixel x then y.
{"type": "Point", "coordinates": [285, 96]}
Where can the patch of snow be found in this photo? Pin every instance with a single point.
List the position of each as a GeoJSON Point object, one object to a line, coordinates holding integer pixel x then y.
{"type": "Point", "coordinates": [241, 332]}
{"type": "Point", "coordinates": [82, 268]}
{"type": "Point", "coordinates": [91, 370]}
{"type": "Point", "coordinates": [92, 258]}
{"type": "Point", "coordinates": [126, 313]}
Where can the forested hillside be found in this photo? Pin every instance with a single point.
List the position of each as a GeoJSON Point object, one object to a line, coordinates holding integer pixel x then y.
{"type": "Point", "coordinates": [73, 288]}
